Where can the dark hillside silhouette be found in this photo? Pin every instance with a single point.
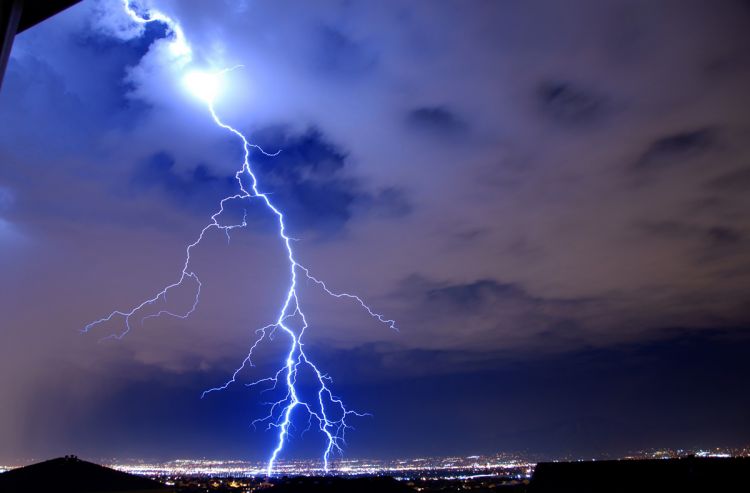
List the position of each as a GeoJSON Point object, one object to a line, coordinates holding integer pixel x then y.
{"type": "Point", "coordinates": [72, 475]}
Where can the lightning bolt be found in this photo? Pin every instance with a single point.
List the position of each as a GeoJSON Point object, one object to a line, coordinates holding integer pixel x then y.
{"type": "Point", "coordinates": [325, 409]}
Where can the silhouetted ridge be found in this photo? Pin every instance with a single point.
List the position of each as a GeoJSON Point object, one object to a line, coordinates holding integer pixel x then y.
{"type": "Point", "coordinates": [72, 475]}
{"type": "Point", "coordinates": [629, 476]}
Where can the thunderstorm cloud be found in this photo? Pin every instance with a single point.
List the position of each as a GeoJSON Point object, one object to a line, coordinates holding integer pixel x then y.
{"type": "Point", "coordinates": [519, 184]}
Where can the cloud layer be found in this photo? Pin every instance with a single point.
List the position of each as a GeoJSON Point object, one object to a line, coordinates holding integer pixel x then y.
{"type": "Point", "coordinates": [529, 178]}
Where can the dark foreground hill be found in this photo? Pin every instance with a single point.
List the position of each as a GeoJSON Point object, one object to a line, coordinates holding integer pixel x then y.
{"type": "Point", "coordinates": [72, 475]}
{"type": "Point", "coordinates": [341, 485]}
{"type": "Point", "coordinates": [685, 475]}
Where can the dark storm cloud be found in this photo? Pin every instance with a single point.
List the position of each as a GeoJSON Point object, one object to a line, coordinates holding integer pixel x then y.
{"type": "Point", "coordinates": [435, 119]}
{"type": "Point", "coordinates": [708, 242]}
{"type": "Point", "coordinates": [468, 296]}
{"type": "Point", "coordinates": [723, 242]}
{"type": "Point", "coordinates": [736, 181]}
{"type": "Point", "coordinates": [389, 202]}
{"type": "Point", "coordinates": [723, 236]}
{"type": "Point", "coordinates": [308, 178]}
{"type": "Point", "coordinates": [471, 295]}
{"type": "Point", "coordinates": [491, 310]}
{"type": "Point", "coordinates": [127, 53]}
{"type": "Point", "coordinates": [121, 55]}
{"type": "Point", "coordinates": [310, 181]}
{"type": "Point", "coordinates": [199, 189]}
{"type": "Point", "coordinates": [569, 103]}
{"type": "Point", "coordinates": [336, 54]}
{"type": "Point", "coordinates": [676, 148]}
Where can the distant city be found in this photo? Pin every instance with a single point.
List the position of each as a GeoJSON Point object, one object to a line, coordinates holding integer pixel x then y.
{"type": "Point", "coordinates": [716, 469]}
{"type": "Point", "coordinates": [508, 465]}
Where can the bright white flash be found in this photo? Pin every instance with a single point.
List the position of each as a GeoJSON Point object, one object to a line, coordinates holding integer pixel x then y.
{"type": "Point", "coordinates": [203, 85]}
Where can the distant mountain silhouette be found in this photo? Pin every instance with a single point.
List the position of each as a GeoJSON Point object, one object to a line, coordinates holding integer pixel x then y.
{"type": "Point", "coordinates": [688, 475]}
{"type": "Point", "coordinates": [72, 475]}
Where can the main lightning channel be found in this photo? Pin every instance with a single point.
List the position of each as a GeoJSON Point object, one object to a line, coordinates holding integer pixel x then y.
{"type": "Point", "coordinates": [328, 410]}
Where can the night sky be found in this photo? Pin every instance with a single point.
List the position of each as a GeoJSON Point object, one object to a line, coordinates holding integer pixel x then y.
{"type": "Point", "coordinates": [551, 198]}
